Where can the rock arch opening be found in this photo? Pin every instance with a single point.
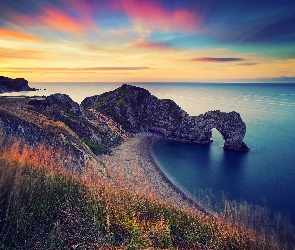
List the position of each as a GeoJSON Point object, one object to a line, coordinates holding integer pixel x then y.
{"type": "Point", "coordinates": [217, 136]}
{"type": "Point", "coordinates": [229, 125]}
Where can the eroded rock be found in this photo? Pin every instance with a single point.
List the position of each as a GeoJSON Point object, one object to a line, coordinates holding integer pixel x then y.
{"type": "Point", "coordinates": [136, 110]}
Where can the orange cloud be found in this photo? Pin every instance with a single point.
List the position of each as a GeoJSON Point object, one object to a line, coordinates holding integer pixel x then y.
{"type": "Point", "coordinates": [155, 16]}
{"type": "Point", "coordinates": [7, 56]}
{"type": "Point", "coordinates": [62, 21]}
{"type": "Point", "coordinates": [11, 34]}
{"type": "Point", "coordinates": [73, 70]}
{"type": "Point", "coordinates": [8, 53]}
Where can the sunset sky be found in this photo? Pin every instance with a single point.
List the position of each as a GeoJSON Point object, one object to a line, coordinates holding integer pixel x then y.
{"type": "Point", "coordinates": [157, 40]}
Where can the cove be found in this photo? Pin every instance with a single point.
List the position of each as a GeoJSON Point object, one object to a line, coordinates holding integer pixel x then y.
{"type": "Point", "coordinates": [194, 167]}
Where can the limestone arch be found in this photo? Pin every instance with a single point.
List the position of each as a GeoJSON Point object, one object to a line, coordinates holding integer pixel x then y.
{"type": "Point", "coordinates": [230, 126]}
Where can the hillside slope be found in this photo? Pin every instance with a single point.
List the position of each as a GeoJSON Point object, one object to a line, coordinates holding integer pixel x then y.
{"type": "Point", "coordinates": [48, 209]}
{"type": "Point", "coordinates": [54, 131]}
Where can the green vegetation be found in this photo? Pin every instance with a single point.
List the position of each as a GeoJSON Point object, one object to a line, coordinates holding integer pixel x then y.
{"type": "Point", "coordinates": [51, 209]}
{"type": "Point", "coordinates": [126, 94]}
{"type": "Point", "coordinates": [94, 147]}
{"type": "Point", "coordinates": [102, 99]}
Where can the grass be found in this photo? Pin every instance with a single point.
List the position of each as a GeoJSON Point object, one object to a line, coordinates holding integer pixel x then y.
{"type": "Point", "coordinates": [271, 226]}
{"type": "Point", "coordinates": [47, 208]}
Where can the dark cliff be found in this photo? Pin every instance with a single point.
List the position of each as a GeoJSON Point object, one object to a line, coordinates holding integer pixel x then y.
{"type": "Point", "coordinates": [138, 111]}
{"type": "Point", "coordinates": [14, 85]}
{"type": "Point", "coordinates": [94, 130]}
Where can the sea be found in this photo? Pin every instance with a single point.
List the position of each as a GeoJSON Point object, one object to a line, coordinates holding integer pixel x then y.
{"type": "Point", "coordinates": [264, 176]}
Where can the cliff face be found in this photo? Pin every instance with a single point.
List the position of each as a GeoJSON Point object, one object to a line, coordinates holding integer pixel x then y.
{"type": "Point", "coordinates": [98, 132]}
{"type": "Point", "coordinates": [137, 111]}
{"type": "Point", "coordinates": [14, 85]}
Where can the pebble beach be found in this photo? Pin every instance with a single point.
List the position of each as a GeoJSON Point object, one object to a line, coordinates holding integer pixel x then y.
{"type": "Point", "coordinates": [131, 166]}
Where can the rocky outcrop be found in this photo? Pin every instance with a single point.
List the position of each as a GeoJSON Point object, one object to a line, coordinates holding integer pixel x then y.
{"type": "Point", "coordinates": [136, 110]}
{"type": "Point", "coordinates": [14, 85]}
{"type": "Point", "coordinates": [230, 126]}
{"type": "Point", "coordinates": [94, 129]}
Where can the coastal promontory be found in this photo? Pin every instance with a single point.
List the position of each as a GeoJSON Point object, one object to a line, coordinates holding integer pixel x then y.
{"type": "Point", "coordinates": [14, 85]}
{"type": "Point", "coordinates": [137, 110]}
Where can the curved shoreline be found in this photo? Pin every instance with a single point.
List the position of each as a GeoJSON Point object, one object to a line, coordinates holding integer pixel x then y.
{"type": "Point", "coordinates": [131, 166]}
{"type": "Point", "coordinates": [145, 146]}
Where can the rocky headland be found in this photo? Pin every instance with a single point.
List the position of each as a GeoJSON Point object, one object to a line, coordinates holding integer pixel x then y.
{"type": "Point", "coordinates": [137, 110]}
{"type": "Point", "coordinates": [14, 85]}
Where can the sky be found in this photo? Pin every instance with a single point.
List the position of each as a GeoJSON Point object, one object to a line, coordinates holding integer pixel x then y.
{"type": "Point", "coordinates": [148, 40]}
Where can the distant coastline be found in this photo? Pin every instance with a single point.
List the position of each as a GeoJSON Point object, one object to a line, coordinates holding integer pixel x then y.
{"type": "Point", "coordinates": [14, 85]}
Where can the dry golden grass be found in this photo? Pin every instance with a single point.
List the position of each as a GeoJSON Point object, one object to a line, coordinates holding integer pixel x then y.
{"type": "Point", "coordinates": [50, 208]}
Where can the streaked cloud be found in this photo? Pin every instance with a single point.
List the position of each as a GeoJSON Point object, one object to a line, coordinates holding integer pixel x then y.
{"type": "Point", "coordinates": [75, 69]}
{"type": "Point", "coordinates": [8, 53]}
{"type": "Point", "coordinates": [52, 18]}
{"type": "Point", "coordinates": [16, 35]}
{"type": "Point", "coordinates": [271, 26]}
{"type": "Point", "coordinates": [153, 15]}
{"type": "Point", "coordinates": [143, 44]}
{"type": "Point", "coordinates": [222, 39]}
{"type": "Point", "coordinates": [248, 64]}
{"type": "Point", "coordinates": [68, 20]}
{"type": "Point", "coordinates": [85, 10]}
{"type": "Point", "coordinates": [59, 20]}
{"type": "Point", "coordinates": [216, 59]}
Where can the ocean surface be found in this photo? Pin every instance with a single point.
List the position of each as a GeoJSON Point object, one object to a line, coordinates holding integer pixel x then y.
{"type": "Point", "coordinates": [264, 176]}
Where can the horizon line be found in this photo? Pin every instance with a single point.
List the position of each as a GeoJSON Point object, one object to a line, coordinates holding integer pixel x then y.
{"type": "Point", "coordinates": [190, 82]}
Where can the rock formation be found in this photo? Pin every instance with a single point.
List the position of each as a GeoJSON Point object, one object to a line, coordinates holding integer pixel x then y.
{"type": "Point", "coordinates": [97, 131]}
{"type": "Point", "coordinates": [230, 126]}
{"type": "Point", "coordinates": [136, 110]}
{"type": "Point", "coordinates": [14, 85]}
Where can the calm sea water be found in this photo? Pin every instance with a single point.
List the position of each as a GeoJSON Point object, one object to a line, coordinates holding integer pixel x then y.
{"type": "Point", "coordinates": [264, 176]}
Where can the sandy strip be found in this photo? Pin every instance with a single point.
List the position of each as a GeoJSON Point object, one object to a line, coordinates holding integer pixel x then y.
{"type": "Point", "coordinates": [132, 166]}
